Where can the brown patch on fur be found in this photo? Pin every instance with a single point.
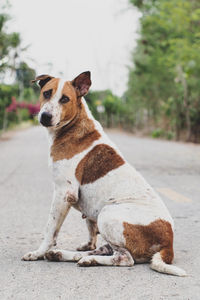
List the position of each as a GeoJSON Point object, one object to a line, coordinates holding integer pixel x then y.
{"type": "Point", "coordinates": [73, 139]}
{"type": "Point", "coordinates": [52, 84]}
{"type": "Point", "coordinates": [167, 255]}
{"type": "Point", "coordinates": [97, 163]}
{"type": "Point", "coordinates": [69, 109]}
{"type": "Point", "coordinates": [145, 240]}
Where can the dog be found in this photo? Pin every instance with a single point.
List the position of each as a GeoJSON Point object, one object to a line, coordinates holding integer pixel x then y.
{"type": "Point", "coordinates": [91, 175]}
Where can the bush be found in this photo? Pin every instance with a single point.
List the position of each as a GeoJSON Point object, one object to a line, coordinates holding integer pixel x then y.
{"type": "Point", "coordinates": [170, 135]}
{"type": "Point", "coordinates": [6, 93]}
{"type": "Point", "coordinates": [156, 133]}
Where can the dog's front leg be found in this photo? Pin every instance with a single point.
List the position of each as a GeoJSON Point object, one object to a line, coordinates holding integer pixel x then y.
{"type": "Point", "coordinates": [59, 209]}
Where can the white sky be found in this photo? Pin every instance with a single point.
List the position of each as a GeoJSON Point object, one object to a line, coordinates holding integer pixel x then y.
{"type": "Point", "coordinates": [67, 37]}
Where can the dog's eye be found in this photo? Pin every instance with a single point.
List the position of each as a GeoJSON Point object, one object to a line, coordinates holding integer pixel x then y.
{"type": "Point", "coordinates": [64, 99]}
{"type": "Point", "coordinates": [47, 94]}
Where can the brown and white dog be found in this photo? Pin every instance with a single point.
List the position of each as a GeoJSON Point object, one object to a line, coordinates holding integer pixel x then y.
{"type": "Point", "coordinates": [91, 175]}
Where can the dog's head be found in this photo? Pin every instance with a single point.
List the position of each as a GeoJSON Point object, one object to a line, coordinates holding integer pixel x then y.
{"type": "Point", "coordinates": [59, 99]}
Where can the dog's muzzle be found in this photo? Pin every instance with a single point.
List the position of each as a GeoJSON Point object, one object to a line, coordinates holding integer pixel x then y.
{"type": "Point", "coordinates": [45, 119]}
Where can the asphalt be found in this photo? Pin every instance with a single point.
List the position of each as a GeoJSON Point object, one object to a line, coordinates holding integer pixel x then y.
{"type": "Point", "coordinates": [172, 168]}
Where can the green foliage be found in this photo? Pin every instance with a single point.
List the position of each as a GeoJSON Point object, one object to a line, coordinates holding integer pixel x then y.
{"type": "Point", "coordinates": [9, 43]}
{"type": "Point", "coordinates": [160, 133]}
{"type": "Point", "coordinates": [25, 74]}
{"type": "Point", "coordinates": [164, 79]}
{"type": "Point", "coordinates": [169, 135]}
{"type": "Point", "coordinates": [6, 93]}
{"type": "Point", "coordinates": [114, 112]}
{"type": "Point", "coordinates": [10, 60]}
{"type": "Point", "coordinates": [112, 104]}
{"type": "Point", "coordinates": [156, 133]}
{"type": "Point", "coordinates": [23, 114]}
{"type": "Point", "coordinates": [28, 94]}
{"type": "Point", "coordinates": [95, 98]}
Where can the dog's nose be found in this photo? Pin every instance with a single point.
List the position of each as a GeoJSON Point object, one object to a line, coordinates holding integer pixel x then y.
{"type": "Point", "coordinates": [45, 119]}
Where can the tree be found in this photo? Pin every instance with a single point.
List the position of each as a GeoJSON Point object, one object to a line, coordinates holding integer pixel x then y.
{"type": "Point", "coordinates": [164, 78]}
{"type": "Point", "coordinates": [9, 43]}
{"type": "Point", "coordinates": [10, 50]}
{"type": "Point", "coordinates": [25, 74]}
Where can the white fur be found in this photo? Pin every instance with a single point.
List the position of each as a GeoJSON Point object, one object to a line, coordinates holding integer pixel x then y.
{"type": "Point", "coordinates": [110, 260]}
{"type": "Point", "coordinates": [159, 265]}
{"type": "Point", "coordinates": [53, 106]}
{"type": "Point", "coordinates": [66, 255]}
{"type": "Point", "coordinates": [128, 186]}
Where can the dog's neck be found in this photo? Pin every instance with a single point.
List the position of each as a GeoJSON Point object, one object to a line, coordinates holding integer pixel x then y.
{"type": "Point", "coordinates": [75, 136]}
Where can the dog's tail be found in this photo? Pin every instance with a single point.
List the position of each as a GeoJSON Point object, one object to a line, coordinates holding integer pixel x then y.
{"type": "Point", "coordinates": [159, 265]}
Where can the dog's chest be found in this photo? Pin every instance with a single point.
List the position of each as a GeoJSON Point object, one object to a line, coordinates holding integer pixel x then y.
{"type": "Point", "coordinates": [89, 204]}
{"type": "Point", "coordinates": [64, 178]}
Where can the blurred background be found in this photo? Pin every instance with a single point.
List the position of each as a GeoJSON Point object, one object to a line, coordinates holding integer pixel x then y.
{"type": "Point", "coordinates": [144, 56]}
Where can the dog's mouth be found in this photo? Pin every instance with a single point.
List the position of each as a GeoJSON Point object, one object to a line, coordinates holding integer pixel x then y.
{"type": "Point", "coordinates": [46, 124]}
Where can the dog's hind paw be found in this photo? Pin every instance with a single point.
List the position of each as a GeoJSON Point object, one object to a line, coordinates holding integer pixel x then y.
{"type": "Point", "coordinates": [32, 256]}
{"type": "Point", "coordinates": [86, 247]}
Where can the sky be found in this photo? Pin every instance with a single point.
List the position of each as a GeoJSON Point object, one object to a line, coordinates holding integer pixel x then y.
{"type": "Point", "coordinates": [67, 37]}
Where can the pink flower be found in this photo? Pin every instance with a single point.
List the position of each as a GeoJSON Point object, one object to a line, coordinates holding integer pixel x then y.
{"type": "Point", "coordinates": [32, 108]}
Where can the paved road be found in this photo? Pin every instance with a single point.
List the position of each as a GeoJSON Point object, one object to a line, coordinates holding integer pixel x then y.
{"type": "Point", "coordinates": [25, 197]}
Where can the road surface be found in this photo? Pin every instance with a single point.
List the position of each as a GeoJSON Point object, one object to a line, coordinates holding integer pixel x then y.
{"type": "Point", "coordinates": [173, 169]}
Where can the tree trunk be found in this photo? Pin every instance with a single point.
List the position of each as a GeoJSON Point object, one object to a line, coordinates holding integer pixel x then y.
{"type": "Point", "coordinates": [185, 103]}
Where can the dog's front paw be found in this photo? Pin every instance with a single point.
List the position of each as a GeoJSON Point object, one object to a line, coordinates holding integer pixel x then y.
{"type": "Point", "coordinates": [34, 255]}
{"type": "Point", "coordinates": [54, 255]}
{"type": "Point", "coordinates": [87, 247]}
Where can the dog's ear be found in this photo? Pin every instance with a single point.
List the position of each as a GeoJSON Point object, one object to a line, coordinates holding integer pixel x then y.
{"type": "Point", "coordinates": [43, 79]}
{"type": "Point", "coordinates": [82, 83]}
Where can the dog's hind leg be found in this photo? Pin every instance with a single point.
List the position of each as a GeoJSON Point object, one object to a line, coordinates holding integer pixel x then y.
{"type": "Point", "coordinates": [119, 257]}
{"type": "Point", "coordinates": [104, 255]}
{"type": "Point", "coordinates": [93, 231]}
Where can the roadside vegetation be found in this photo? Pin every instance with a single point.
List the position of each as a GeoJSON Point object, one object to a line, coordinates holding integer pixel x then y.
{"type": "Point", "coordinates": [163, 92]}
{"type": "Point", "coordinates": [17, 100]}
{"type": "Point", "coordinates": [164, 79]}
